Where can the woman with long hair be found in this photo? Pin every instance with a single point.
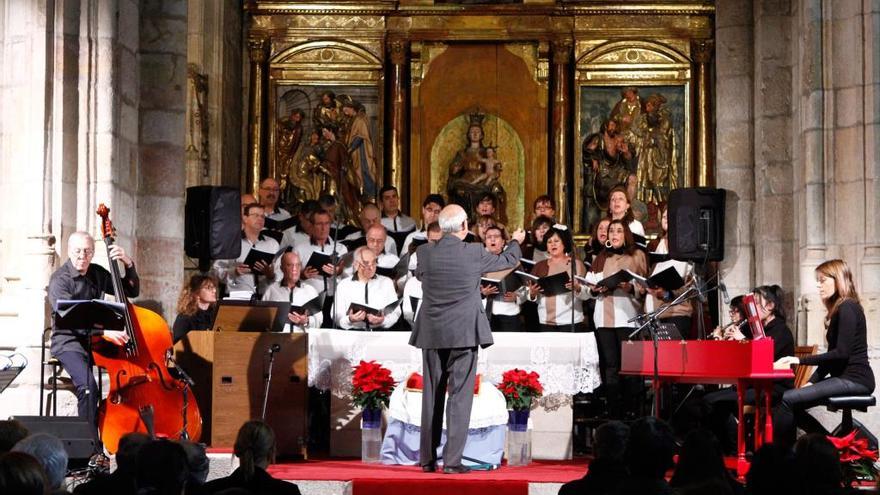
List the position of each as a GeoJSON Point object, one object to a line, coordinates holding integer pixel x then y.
{"type": "Point", "coordinates": [255, 449]}
{"type": "Point", "coordinates": [196, 306]}
{"type": "Point", "coordinates": [555, 312]}
{"type": "Point", "coordinates": [844, 369]}
{"type": "Point", "coordinates": [614, 308]}
{"type": "Point", "coordinates": [620, 208]}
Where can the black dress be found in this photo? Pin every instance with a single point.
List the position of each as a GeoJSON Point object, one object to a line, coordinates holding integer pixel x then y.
{"type": "Point", "coordinates": [202, 319]}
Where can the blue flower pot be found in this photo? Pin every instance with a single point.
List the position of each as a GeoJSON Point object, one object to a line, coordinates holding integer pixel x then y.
{"type": "Point", "coordinates": [518, 419]}
{"type": "Point", "coordinates": [372, 419]}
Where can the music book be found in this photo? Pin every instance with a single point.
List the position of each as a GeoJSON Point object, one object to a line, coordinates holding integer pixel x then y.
{"type": "Point", "coordinates": [274, 234]}
{"type": "Point", "coordinates": [416, 242]}
{"type": "Point", "coordinates": [280, 225]}
{"type": "Point", "coordinates": [527, 265]}
{"type": "Point", "coordinates": [553, 285]}
{"type": "Point", "coordinates": [355, 307]}
{"type": "Point", "coordinates": [318, 259]}
{"type": "Point", "coordinates": [640, 241]}
{"type": "Point", "coordinates": [97, 314]}
{"type": "Point", "coordinates": [612, 281]}
{"type": "Point", "coordinates": [668, 279]}
{"type": "Point", "coordinates": [654, 258]}
{"type": "Point", "coordinates": [398, 270]}
{"type": "Point", "coordinates": [503, 280]}
{"type": "Point", "coordinates": [255, 255]}
{"type": "Point", "coordinates": [313, 306]}
{"type": "Point", "coordinates": [352, 244]}
{"type": "Point", "coordinates": [399, 237]}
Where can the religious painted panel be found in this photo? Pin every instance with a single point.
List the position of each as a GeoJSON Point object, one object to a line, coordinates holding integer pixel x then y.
{"type": "Point", "coordinates": [634, 137]}
{"type": "Point", "coordinates": [326, 139]}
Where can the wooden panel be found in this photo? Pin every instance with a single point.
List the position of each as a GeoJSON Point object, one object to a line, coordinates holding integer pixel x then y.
{"type": "Point", "coordinates": [229, 370]}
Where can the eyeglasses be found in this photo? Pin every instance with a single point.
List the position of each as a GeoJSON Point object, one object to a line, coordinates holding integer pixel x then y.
{"type": "Point", "coordinates": [368, 264]}
{"type": "Point", "coordinates": [79, 251]}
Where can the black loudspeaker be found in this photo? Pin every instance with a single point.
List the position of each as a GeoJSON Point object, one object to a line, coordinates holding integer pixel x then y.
{"type": "Point", "coordinates": [73, 431]}
{"type": "Point", "coordinates": [696, 224]}
{"type": "Point", "coordinates": [213, 223]}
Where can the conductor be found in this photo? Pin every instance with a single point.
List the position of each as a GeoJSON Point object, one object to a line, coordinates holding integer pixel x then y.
{"type": "Point", "coordinates": [451, 324]}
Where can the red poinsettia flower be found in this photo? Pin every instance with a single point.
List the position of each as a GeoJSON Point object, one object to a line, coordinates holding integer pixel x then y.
{"type": "Point", "coordinates": [372, 385]}
{"type": "Point", "coordinates": [855, 456]}
{"type": "Point", "coordinates": [519, 387]}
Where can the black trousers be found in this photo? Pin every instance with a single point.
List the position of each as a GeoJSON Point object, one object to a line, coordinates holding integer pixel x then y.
{"type": "Point", "coordinates": [505, 323]}
{"type": "Point", "coordinates": [622, 392]}
{"type": "Point", "coordinates": [792, 409]}
{"type": "Point", "coordinates": [78, 365]}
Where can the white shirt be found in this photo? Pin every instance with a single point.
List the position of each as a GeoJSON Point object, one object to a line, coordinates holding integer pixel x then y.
{"type": "Point", "coordinates": [381, 293]}
{"type": "Point", "coordinates": [412, 289]}
{"type": "Point", "coordinates": [225, 269]}
{"type": "Point", "coordinates": [301, 295]}
{"type": "Point", "coordinates": [279, 214]}
{"type": "Point", "coordinates": [416, 234]}
{"type": "Point", "coordinates": [294, 237]}
{"type": "Point", "coordinates": [384, 260]}
{"type": "Point", "coordinates": [400, 223]}
{"type": "Point", "coordinates": [305, 250]}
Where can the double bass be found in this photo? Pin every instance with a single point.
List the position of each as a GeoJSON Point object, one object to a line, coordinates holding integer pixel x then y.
{"type": "Point", "coordinates": [144, 395]}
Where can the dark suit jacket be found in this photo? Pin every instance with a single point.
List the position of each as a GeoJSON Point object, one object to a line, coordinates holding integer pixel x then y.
{"type": "Point", "coordinates": [452, 313]}
{"type": "Point", "coordinates": [261, 484]}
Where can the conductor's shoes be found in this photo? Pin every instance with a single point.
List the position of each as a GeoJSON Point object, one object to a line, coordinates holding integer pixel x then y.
{"type": "Point", "coordinates": [456, 469]}
{"type": "Point", "coordinates": [429, 468]}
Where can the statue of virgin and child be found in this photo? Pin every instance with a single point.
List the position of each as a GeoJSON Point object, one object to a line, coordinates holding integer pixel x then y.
{"type": "Point", "coordinates": [475, 172]}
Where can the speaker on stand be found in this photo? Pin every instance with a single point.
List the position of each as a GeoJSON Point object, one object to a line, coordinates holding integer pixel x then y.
{"type": "Point", "coordinates": [212, 224]}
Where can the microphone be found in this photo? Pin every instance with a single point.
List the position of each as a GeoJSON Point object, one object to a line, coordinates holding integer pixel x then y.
{"type": "Point", "coordinates": [273, 348]}
{"type": "Point", "coordinates": [724, 295]}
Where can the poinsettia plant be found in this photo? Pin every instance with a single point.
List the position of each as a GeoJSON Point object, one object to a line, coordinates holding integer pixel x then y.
{"type": "Point", "coordinates": [372, 385]}
{"type": "Point", "coordinates": [856, 459]}
{"type": "Point", "coordinates": [519, 387]}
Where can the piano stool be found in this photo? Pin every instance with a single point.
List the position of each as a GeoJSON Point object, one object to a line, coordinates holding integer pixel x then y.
{"type": "Point", "coordinates": [846, 404]}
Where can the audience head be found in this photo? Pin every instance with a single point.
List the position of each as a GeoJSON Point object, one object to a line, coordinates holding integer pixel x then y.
{"type": "Point", "coordinates": [22, 474]}
{"type": "Point", "coordinates": [558, 241]}
{"type": "Point", "coordinates": [699, 459]}
{"type": "Point", "coordinates": [365, 263]}
{"type": "Point", "coordinates": [370, 215]}
{"type": "Point", "coordinates": [254, 447]}
{"type": "Point", "coordinates": [431, 207]}
{"type": "Point", "coordinates": [610, 440]}
{"type": "Point", "coordinates": [11, 431]}
{"type": "Point", "coordinates": [619, 205]}
{"type": "Point", "coordinates": [49, 450]}
{"type": "Point", "coordinates": [540, 226]}
{"type": "Point", "coordinates": [161, 468]}
{"type": "Point", "coordinates": [390, 200]}
{"type": "Point", "coordinates": [650, 448]}
{"type": "Point", "coordinates": [494, 238]}
{"type": "Point", "coordinates": [772, 471]}
{"type": "Point", "coordinates": [453, 220]}
{"type": "Point", "coordinates": [197, 462]}
{"type": "Point", "coordinates": [817, 465]}
{"type": "Point", "coordinates": [269, 190]}
{"type": "Point", "coordinates": [81, 250]}
{"type": "Point", "coordinates": [129, 447]}
{"type": "Point", "coordinates": [434, 231]}
{"type": "Point", "coordinates": [544, 206]}
{"type": "Point", "coordinates": [320, 221]}
{"type": "Point", "coordinates": [376, 237]}
{"type": "Point", "coordinates": [835, 284]}
{"type": "Point", "coordinates": [770, 300]}
{"type": "Point", "coordinates": [199, 293]}
{"type": "Point", "coordinates": [291, 266]}
{"type": "Point", "coordinates": [620, 237]}
{"type": "Point", "coordinates": [253, 220]}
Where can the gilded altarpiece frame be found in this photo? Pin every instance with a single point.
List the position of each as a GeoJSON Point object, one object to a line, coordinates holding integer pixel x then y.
{"type": "Point", "coordinates": [299, 75]}
{"type": "Point", "coordinates": [649, 72]}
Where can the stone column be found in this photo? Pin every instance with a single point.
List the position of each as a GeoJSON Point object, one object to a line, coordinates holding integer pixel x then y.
{"type": "Point", "coordinates": [702, 54]}
{"type": "Point", "coordinates": [734, 90]}
{"type": "Point", "coordinates": [258, 51]}
{"type": "Point", "coordinates": [399, 149]}
{"type": "Point", "coordinates": [559, 126]}
{"type": "Point", "coordinates": [162, 174]}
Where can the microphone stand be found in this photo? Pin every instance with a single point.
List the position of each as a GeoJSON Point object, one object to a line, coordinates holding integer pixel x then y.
{"type": "Point", "coordinates": [272, 350]}
{"type": "Point", "coordinates": [188, 382]}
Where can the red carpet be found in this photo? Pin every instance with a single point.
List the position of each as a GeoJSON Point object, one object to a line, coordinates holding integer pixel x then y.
{"type": "Point", "coordinates": [378, 479]}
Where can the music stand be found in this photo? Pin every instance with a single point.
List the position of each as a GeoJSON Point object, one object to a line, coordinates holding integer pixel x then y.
{"type": "Point", "coordinates": [7, 375]}
{"type": "Point", "coordinates": [251, 316]}
{"type": "Point", "coordinates": [94, 314]}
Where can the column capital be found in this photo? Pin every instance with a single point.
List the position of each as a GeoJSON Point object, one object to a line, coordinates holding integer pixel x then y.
{"type": "Point", "coordinates": [702, 50]}
{"type": "Point", "coordinates": [561, 51]}
{"type": "Point", "coordinates": [258, 49]}
{"type": "Point", "coordinates": [399, 50]}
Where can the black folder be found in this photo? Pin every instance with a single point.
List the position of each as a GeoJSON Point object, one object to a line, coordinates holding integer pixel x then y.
{"type": "Point", "coordinates": [355, 307]}
{"type": "Point", "coordinates": [352, 244]}
{"type": "Point", "coordinates": [654, 258]}
{"type": "Point", "coordinates": [527, 265]}
{"type": "Point", "coordinates": [318, 259]}
{"type": "Point", "coordinates": [280, 225]}
{"type": "Point", "coordinates": [255, 255]}
{"type": "Point", "coordinates": [94, 314]}
{"type": "Point", "coordinates": [313, 306]}
{"type": "Point", "coordinates": [667, 279]}
{"type": "Point", "coordinates": [398, 270]}
{"type": "Point", "coordinates": [399, 237]}
{"type": "Point", "coordinates": [416, 242]}
{"type": "Point", "coordinates": [552, 285]}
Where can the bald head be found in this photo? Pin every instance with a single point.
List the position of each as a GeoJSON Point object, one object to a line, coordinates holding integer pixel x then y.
{"type": "Point", "coordinates": [453, 220]}
{"type": "Point", "coordinates": [376, 236]}
{"type": "Point", "coordinates": [80, 250]}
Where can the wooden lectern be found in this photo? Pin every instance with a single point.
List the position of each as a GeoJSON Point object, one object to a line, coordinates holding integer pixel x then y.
{"type": "Point", "coordinates": [229, 370]}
